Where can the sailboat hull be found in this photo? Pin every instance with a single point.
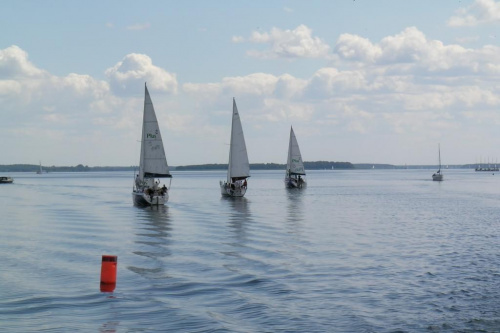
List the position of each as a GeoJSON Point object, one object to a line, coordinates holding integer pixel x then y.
{"type": "Point", "coordinates": [294, 183]}
{"type": "Point", "coordinates": [437, 177]}
{"type": "Point", "coordinates": [142, 199]}
{"type": "Point", "coordinates": [229, 191]}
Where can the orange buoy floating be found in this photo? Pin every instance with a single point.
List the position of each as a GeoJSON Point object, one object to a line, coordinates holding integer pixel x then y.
{"type": "Point", "coordinates": [108, 273]}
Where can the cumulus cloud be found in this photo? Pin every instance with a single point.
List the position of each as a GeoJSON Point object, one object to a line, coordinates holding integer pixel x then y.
{"type": "Point", "coordinates": [479, 12]}
{"type": "Point", "coordinates": [297, 43]}
{"type": "Point", "coordinates": [14, 63]}
{"type": "Point", "coordinates": [135, 69]}
{"type": "Point", "coordinates": [411, 51]}
{"type": "Point", "coordinates": [23, 82]}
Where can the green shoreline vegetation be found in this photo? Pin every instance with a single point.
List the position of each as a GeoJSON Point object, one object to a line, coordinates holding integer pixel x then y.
{"type": "Point", "coordinates": [318, 165]}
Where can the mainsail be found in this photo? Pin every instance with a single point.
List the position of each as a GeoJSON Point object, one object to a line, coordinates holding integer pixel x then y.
{"type": "Point", "coordinates": [238, 168]}
{"type": "Point", "coordinates": [294, 165]}
{"type": "Point", "coordinates": [153, 163]}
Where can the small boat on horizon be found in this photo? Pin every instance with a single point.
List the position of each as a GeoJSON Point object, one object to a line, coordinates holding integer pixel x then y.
{"type": "Point", "coordinates": [153, 162]}
{"type": "Point", "coordinates": [438, 176]}
{"type": "Point", "coordinates": [6, 180]}
{"type": "Point", "coordinates": [238, 169]}
{"type": "Point", "coordinates": [294, 165]}
{"type": "Point", "coordinates": [40, 170]}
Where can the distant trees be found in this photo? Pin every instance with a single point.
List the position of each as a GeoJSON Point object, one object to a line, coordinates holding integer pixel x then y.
{"type": "Point", "coordinates": [78, 168]}
{"type": "Point", "coordinates": [318, 165]}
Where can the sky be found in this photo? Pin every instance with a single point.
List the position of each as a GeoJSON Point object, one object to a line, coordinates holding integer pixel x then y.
{"type": "Point", "coordinates": [360, 81]}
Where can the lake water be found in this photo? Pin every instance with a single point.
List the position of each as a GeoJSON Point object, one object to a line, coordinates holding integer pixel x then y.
{"type": "Point", "coordinates": [355, 251]}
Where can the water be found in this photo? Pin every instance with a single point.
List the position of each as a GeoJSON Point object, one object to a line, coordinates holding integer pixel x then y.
{"type": "Point", "coordinates": [356, 251]}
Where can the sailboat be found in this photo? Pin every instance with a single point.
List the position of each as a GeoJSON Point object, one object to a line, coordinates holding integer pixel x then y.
{"type": "Point", "coordinates": [438, 176]}
{"type": "Point", "coordinates": [40, 171]}
{"type": "Point", "coordinates": [294, 165]}
{"type": "Point", "coordinates": [153, 162]}
{"type": "Point", "coordinates": [238, 169]}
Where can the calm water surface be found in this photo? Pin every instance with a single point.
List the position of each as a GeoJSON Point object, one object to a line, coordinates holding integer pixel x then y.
{"type": "Point", "coordinates": [356, 251]}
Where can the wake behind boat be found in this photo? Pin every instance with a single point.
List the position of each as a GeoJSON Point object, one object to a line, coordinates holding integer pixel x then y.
{"type": "Point", "coordinates": [238, 169]}
{"type": "Point", "coordinates": [294, 165]}
{"type": "Point", "coordinates": [153, 162]}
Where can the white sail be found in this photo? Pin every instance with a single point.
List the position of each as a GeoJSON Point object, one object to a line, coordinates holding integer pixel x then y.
{"type": "Point", "coordinates": [294, 165]}
{"type": "Point", "coordinates": [153, 163]}
{"type": "Point", "coordinates": [238, 167]}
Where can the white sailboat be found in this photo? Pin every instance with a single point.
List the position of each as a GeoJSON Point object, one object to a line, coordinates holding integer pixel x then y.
{"type": "Point", "coordinates": [294, 165]}
{"type": "Point", "coordinates": [40, 171]}
{"type": "Point", "coordinates": [153, 162]}
{"type": "Point", "coordinates": [238, 169]}
{"type": "Point", "coordinates": [438, 176]}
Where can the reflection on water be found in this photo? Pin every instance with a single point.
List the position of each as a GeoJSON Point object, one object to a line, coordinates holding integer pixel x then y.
{"type": "Point", "coordinates": [153, 237]}
{"type": "Point", "coordinates": [239, 215]}
{"type": "Point", "coordinates": [295, 208]}
{"type": "Point", "coordinates": [109, 327]}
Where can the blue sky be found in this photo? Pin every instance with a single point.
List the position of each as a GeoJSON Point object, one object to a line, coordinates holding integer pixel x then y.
{"type": "Point", "coordinates": [360, 81]}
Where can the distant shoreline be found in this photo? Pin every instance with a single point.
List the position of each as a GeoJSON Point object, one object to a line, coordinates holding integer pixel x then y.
{"type": "Point", "coordinates": [317, 165]}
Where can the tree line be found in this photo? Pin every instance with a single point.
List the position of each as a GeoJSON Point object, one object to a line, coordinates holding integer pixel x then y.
{"type": "Point", "coordinates": [318, 165]}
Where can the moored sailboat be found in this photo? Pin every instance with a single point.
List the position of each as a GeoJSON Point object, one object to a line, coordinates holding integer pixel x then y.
{"type": "Point", "coordinates": [153, 162]}
{"type": "Point", "coordinates": [438, 176]}
{"type": "Point", "coordinates": [294, 165]}
{"type": "Point", "coordinates": [6, 180]}
{"type": "Point", "coordinates": [238, 169]}
{"type": "Point", "coordinates": [40, 170]}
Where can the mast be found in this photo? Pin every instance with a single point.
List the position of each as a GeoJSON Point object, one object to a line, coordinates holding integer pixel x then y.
{"type": "Point", "coordinates": [439, 154]}
{"type": "Point", "coordinates": [141, 159]}
{"type": "Point", "coordinates": [289, 159]}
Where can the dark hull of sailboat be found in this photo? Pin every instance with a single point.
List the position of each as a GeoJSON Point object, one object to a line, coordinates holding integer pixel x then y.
{"type": "Point", "coordinates": [6, 180]}
{"type": "Point", "coordinates": [142, 199]}
{"type": "Point", "coordinates": [294, 183]}
{"type": "Point", "coordinates": [437, 177]}
{"type": "Point", "coordinates": [232, 192]}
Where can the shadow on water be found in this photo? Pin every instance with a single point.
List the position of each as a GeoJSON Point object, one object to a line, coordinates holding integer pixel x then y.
{"type": "Point", "coordinates": [152, 238]}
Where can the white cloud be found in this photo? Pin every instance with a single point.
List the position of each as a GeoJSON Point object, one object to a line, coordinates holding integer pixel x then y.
{"type": "Point", "coordinates": [257, 84]}
{"type": "Point", "coordinates": [14, 63]}
{"type": "Point", "coordinates": [135, 69]}
{"type": "Point", "coordinates": [411, 52]}
{"type": "Point", "coordinates": [297, 43]}
{"type": "Point", "coordinates": [237, 39]}
{"type": "Point", "coordinates": [139, 26]}
{"type": "Point", "coordinates": [480, 12]}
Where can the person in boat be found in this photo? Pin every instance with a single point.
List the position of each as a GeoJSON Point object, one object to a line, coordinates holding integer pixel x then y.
{"type": "Point", "coordinates": [245, 183]}
{"type": "Point", "coordinates": [137, 182]}
{"type": "Point", "coordinates": [163, 190]}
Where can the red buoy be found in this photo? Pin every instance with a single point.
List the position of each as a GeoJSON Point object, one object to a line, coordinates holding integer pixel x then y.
{"type": "Point", "coordinates": [108, 273]}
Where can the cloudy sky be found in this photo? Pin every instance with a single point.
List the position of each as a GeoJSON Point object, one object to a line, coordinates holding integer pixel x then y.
{"type": "Point", "coordinates": [360, 81]}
